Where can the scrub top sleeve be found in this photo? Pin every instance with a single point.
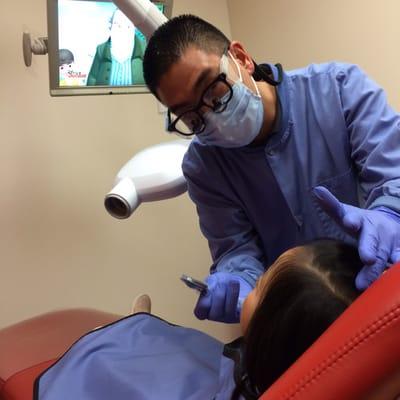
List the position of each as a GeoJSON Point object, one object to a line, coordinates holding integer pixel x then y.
{"type": "Point", "coordinates": [233, 242]}
{"type": "Point", "coordinates": [374, 129]}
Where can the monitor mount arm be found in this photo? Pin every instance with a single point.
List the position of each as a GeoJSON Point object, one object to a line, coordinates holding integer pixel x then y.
{"type": "Point", "coordinates": [143, 13]}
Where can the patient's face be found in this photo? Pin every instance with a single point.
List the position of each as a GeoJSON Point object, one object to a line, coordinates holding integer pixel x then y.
{"type": "Point", "coordinates": [252, 300]}
{"type": "Point", "coordinates": [257, 294]}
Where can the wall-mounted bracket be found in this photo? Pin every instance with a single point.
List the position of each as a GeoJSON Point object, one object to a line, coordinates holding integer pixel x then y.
{"type": "Point", "coordinates": [33, 46]}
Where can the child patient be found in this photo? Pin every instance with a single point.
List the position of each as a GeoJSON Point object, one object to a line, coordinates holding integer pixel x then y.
{"type": "Point", "coordinates": [144, 357]}
{"type": "Point", "coordinates": [293, 303]}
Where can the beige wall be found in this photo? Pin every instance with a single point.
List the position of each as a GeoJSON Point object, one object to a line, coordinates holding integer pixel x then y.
{"type": "Point", "coordinates": [58, 157]}
{"type": "Point", "coordinates": [297, 33]}
{"type": "Point", "coordinates": [58, 246]}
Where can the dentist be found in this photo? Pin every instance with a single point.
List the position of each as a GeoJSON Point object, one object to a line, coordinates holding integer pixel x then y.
{"type": "Point", "coordinates": [278, 158]}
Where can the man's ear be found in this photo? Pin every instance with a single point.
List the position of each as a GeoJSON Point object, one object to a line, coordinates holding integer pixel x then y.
{"type": "Point", "coordinates": [242, 56]}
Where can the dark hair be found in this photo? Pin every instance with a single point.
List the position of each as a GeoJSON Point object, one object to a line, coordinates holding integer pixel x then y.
{"type": "Point", "coordinates": [65, 56]}
{"type": "Point", "coordinates": [307, 290]}
{"type": "Point", "coordinates": [170, 41]}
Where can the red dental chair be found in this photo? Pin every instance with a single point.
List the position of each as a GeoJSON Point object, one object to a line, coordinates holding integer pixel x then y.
{"type": "Point", "coordinates": [358, 357]}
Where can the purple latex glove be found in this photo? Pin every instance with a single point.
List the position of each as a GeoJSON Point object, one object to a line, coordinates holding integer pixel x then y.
{"type": "Point", "coordinates": [223, 299]}
{"type": "Point", "coordinates": [377, 230]}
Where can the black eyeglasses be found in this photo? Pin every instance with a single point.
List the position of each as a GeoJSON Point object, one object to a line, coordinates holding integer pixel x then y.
{"type": "Point", "coordinates": [216, 97]}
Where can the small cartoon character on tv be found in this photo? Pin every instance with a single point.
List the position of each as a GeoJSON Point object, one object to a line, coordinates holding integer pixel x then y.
{"type": "Point", "coordinates": [68, 75]}
{"type": "Point", "coordinates": [66, 60]}
{"type": "Point", "coordinates": [118, 61]}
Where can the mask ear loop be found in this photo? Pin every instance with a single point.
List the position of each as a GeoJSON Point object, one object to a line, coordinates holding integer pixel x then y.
{"type": "Point", "coordinates": [255, 85]}
{"type": "Point", "coordinates": [237, 67]}
{"type": "Point", "coordinates": [240, 72]}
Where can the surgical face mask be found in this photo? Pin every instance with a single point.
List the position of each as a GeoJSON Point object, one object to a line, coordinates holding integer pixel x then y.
{"type": "Point", "coordinates": [240, 123]}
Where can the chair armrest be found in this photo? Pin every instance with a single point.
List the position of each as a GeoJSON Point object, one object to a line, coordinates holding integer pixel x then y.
{"type": "Point", "coordinates": [45, 337]}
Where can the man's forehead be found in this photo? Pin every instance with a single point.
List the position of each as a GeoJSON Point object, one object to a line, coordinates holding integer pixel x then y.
{"type": "Point", "coordinates": [183, 79]}
{"type": "Point", "coordinates": [196, 56]}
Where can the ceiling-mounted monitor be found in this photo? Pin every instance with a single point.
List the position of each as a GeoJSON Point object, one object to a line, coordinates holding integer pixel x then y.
{"type": "Point", "coordinates": [94, 48]}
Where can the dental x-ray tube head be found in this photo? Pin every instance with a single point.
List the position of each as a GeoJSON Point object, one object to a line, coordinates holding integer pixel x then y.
{"type": "Point", "coordinates": [152, 174]}
{"type": "Point", "coordinates": [143, 13]}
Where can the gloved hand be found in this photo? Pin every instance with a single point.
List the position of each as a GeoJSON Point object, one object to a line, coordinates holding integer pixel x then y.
{"type": "Point", "coordinates": [378, 231]}
{"type": "Point", "coordinates": [223, 299]}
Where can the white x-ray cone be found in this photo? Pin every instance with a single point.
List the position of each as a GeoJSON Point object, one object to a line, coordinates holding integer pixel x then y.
{"type": "Point", "coordinates": [152, 174]}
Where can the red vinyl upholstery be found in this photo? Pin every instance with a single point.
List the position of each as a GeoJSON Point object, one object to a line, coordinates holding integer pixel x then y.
{"type": "Point", "coordinates": [31, 346]}
{"type": "Point", "coordinates": [358, 357]}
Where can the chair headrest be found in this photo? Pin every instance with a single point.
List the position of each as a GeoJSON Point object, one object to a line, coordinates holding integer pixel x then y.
{"type": "Point", "coordinates": [358, 352]}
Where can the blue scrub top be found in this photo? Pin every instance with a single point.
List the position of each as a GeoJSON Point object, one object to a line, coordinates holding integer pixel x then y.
{"type": "Point", "coordinates": [336, 130]}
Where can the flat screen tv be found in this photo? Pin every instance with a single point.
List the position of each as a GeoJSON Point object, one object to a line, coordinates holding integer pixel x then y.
{"type": "Point", "coordinates": [94, 49]}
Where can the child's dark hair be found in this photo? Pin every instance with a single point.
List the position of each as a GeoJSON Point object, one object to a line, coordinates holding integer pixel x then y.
{"type": "Point", "coordinates": [308, 288]}
{"type": "Point", "coordinates": [65, 56]}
